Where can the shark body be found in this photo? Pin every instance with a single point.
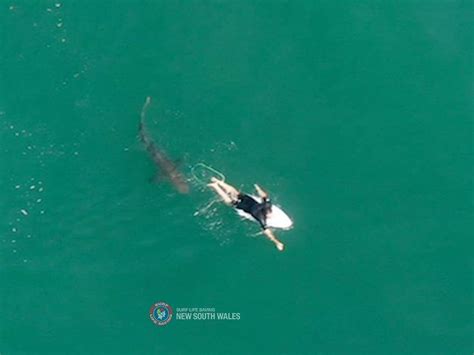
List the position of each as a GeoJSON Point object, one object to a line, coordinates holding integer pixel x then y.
{"type": "Point", "coordinates": [168, 168]}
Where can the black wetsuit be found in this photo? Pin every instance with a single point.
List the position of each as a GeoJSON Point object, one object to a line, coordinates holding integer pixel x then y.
{"type": "Point", "coordinates": [257, 210]}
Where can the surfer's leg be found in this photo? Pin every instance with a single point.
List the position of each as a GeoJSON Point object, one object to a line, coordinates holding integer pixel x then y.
{"type": "Point", "coordinates": [272, 237]}
{"type": "Point", "coordinates": [226, 187]}
{"type": "Point", "coordinates": [221, 192]}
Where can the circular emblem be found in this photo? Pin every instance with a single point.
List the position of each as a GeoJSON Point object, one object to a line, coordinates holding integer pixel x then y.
{"type": "Point", "coordinates": [161, 313]}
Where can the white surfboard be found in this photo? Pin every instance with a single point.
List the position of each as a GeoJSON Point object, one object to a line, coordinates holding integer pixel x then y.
{"type": "Point", "coordinates": [276, 219]}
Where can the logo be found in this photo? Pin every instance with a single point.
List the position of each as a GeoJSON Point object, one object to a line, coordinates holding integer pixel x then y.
{"type": "Point", "coordinates": [161, 313]}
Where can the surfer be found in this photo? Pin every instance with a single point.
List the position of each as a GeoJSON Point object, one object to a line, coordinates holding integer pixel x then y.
{"type": "Point", "coordinates": [241, 201]}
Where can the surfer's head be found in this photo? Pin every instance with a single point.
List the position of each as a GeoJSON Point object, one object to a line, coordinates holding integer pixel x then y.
{"type": "Point", "coordinates": [267, 205]}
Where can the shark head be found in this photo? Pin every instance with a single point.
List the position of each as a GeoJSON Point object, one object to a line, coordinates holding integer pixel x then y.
{"type": "Point", "coordinates": [178, 181]}
{"type": "Point", "coordinates": [181, 186]}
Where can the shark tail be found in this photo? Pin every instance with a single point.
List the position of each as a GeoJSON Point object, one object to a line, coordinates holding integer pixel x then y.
{"type": "Point", "coordinates": [141, 126]}
{"type": "Point", "coordinates": [144, 109]}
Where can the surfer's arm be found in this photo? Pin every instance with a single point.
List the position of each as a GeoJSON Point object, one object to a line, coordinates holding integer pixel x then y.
{"type": "Point", "coordinates": [268, 232]}
{"type": "Point", "coordinates": [260, 192]}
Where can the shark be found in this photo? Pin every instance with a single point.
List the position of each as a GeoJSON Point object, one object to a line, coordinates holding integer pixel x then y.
{"type": "Point", "coordinates": [167, 168]}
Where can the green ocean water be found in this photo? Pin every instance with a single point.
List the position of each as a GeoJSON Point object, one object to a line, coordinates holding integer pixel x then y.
{"type": "Point", "coordinates": [356, 116]}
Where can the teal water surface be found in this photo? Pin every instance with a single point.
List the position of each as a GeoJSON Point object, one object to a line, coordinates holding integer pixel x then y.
{"type": "Point", "coordinates": [356, 116]}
